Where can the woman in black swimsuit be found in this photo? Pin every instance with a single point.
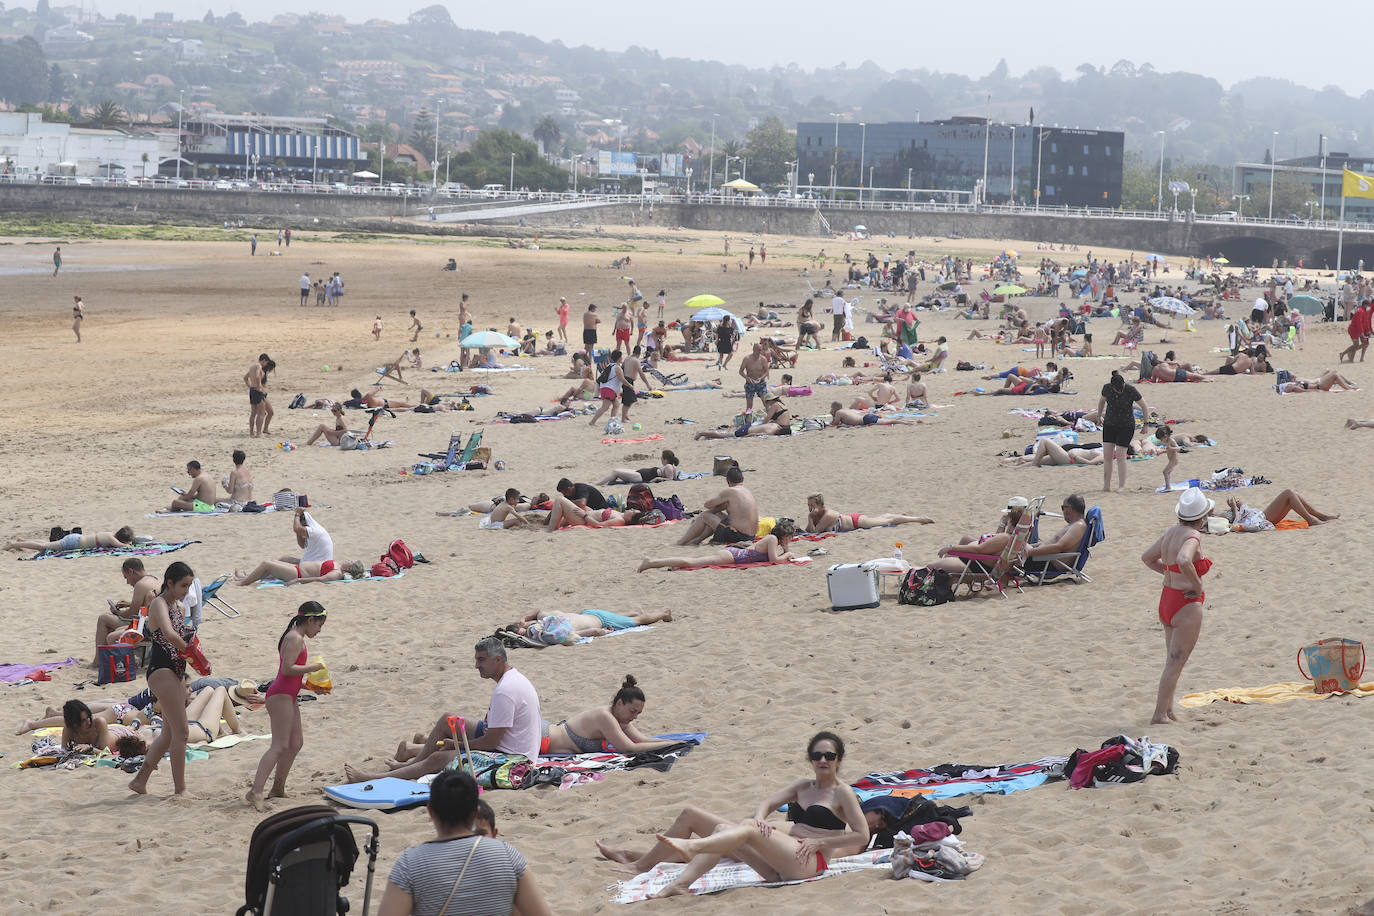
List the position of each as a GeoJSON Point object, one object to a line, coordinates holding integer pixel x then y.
{"type": "Point", "coordinates": [826, 822]}
{"type": "Point", "coordinates": [169, 637]}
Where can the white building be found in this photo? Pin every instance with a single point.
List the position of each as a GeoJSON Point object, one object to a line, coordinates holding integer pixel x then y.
{"type": "Point", "coordinates": [29, 146]}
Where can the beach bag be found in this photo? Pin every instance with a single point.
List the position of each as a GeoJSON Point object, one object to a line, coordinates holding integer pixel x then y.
{"type": "Point", "coordinates": [722, 464]}
{"type": "Point", "coordinates": [553, 631]}
{"type": "Point", "coordinates": [811, 424]}
{"type": "Point", "coordinates": [348, 440]}
{"type": "Point", "coordinates": [297, 402]}
{"type": "Point", "coordinates": [614, 428]}
{"type": "Point", "coordinates": [925, 587]}
{"type": "Point", "coordinates": [401, 554]}
{"type": "Point", "coordinates": [671, 508]}
{"type": "Point", "coordinates": [115, 664]}
{"type": "Point", "coordinates": [641, 498]}
{"type": "Point", "coordinates": [1333, 665]}
{"type": "Point", "coordinates": [495, 770]}
{"type": "Point", "coordinates": [284, 500]}
{"type": "Point", "coordinates": [384, 568]}
{"type": "Point", "coordinates": [650, 518]}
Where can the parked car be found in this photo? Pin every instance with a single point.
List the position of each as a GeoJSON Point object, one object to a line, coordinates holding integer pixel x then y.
{"type": "Point", "coordinates": [1230, 216]}
{"type": "Point", "coordinates": [492, 190]}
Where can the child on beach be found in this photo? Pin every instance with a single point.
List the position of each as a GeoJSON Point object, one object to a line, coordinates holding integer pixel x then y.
{"type": "Point", "coordinates": [1164, 435]}
{"type": "Point", "coordinates": [377, 329]}
{"type": "Point", "coordinates": [282, 706]}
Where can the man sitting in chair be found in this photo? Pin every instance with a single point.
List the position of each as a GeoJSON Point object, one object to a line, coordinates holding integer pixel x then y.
{"type": "Point", "coordinates": [122, 614]}
{"type": "Point", "coordinates": [1066, 540]}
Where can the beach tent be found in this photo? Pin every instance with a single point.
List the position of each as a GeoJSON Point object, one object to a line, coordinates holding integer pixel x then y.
{"type": "Point", "coordinates": [365, 174]}
{"type": "Point", "coordinates": [739, 184]}
{"type": "Point", "coordinates": [1307, 305]}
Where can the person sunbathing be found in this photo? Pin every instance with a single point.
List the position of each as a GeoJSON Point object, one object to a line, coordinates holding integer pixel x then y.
{"type": "Point", "coordinates": [296, 573]}
{"type": "Point", "coordinates": [842, 416]}
{"type": "Point", "coordinates": [568, 514]}
{"type": "Point", "coordinates": [819, 518]}
{"type": "Point", "coordinates": [881, 395]}
{"type": "Point", "coordinates": [508, 513]}
{"type": "Point", "coordinates": [769, 549]}
{"type": "Point", "coordinates": [703, 385]}
{"type": "Point", "coordinates": [668, 470]}
{"type": "Point", "coordinates": [590, 622]}
{"type": "Point", "coordinates": [1244, 363]}
{"type": "Point", "coordinates": [1247, 518]}
{"type": "Point", "coordinates": [78, 541]}
{"type": "Point", "coordinates": [1328, 379]}
{"type": "Point", "coordinates": [101, 728]}
{"type": "Point", "coordinates": [826, 822]}
{"type": "Point", "coordinates": [584, 390]}
{"type": "Point", "coordinates": [777, 421]}
{"type": "Point", "coordinates": [1168, 371]}
{"type": "Point", "coordinates": [333, 434]}
{"type": "Point", "coordinates": [1048, 451]}
{"type": "Point", "coordinates": [374, 401]}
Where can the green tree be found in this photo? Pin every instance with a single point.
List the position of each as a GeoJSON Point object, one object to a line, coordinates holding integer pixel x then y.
{"type": "Point", "coordinates": [23, 72]}
{"type": "Point", "coordinates": [547, 133]}
{"type": "Point", "coordinates": [57, 83]}
{"type": "Point", "coordinates": [1290, 197]}
{"type": "Point", "coordinates": [489, 161]}
{"type": "Point", "coordinates": [769, 147]}
{"type": "Point", "coordinates": [233, 20]}
{"type": "Point", "coordinates": [108, 113]}
{"type": "Point", "coordinates": [422, 132]}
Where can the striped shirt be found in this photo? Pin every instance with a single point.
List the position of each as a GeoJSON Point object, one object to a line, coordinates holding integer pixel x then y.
{"type": "Point", "coordinates": [427, 872]}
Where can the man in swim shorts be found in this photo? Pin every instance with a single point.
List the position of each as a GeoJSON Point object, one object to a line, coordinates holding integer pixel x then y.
{"type": "Point", "coordinates": [589, 322]}
{"type": "Point", "coordinates": [199, 496]}
{"type": "Point", "coordinates": [843, 416]}
{"type": "Point", "coordinates": [731, 516]}
{"type": "Point", "coordinates": [754, 370]}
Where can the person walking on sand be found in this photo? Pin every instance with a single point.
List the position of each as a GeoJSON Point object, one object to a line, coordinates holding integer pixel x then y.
{"type": "Point", "coordinates": [171, 640]}
{"type": "Point", "coordinates": [610, 382]}
{"type": "Point", "coordinates": [562, 312]}
{"type": "Point", "coordinates": [662, 302]}
{"type": "Point", "coordinates": [282, 706]}
{"type": "Point", "coordinates": [415, 327]}
{"type": "Point", "coordinates": [1116, 407]}
{"type": "Point", "coordinates": [633, 373]}
{"type": "Point", "coordinates": [754, 370]}
{"type": "Point", "coordinates": [259, 411]}
{"type": "Point", "coordinates": [1180, 603]}
{"type": "Point", "coordinates": [377, 328]}
{"type": "Point", "coordinates": [253, 245]}
{"type": "Point", "coordinates": [78, 315]}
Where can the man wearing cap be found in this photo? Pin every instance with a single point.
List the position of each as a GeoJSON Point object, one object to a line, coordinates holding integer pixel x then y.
{"type": "Point", "coordinates": [1180, 602]}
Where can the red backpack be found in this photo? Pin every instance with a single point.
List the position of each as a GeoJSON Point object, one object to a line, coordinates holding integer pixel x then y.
{"type": "Point", "coordinates": [641, 498]}
{"type": "Point", "coordinates": [384, 568]}
{"type": "Point", "coordinates": [400, 553]}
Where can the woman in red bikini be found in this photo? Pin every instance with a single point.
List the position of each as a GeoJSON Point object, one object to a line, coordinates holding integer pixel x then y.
{"type": "Point", "coordinates": [1180, 603]}
{"type": "Point", "coordinates": [295, 573]}
{"type": "Point", "coordinates": [282, 707]}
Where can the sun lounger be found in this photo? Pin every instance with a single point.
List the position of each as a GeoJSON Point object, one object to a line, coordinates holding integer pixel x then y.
{"type": "Point", "coordinates": [982, 570]}
{"type": "Point", "coordinates": [1069, 565]}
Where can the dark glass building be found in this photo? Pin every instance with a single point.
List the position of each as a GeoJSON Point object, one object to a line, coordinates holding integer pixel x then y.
{"type": "Point", "coordinates": [1077, 168]}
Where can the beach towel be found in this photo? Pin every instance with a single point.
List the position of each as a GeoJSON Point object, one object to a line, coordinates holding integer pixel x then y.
{"type": "Point", "coordinates": [14, 673]}
{"type": "Point", "coordinates": [728, 875]}
{"type": "Point", "coordinates": [218, 511]}
{"type": "Point", "coordinates": [681, 475]}
{"type": "Point", "coordinates": [1273, 693]}
{"type": "Point", "coordinates": [277, 583]}
{"type": "Point", "coordinates": [952, 779]}
{"type": "Point", "coordinates": [654, 437]}
{"type": "Point", "coordinates": [124, 550]}
{"type": "Point", "coordinates": [671, 521]}
{"type": "Point", "coordinates": [586, 639]}
{"type": "Point", "coordinates": [1291, 524]}
{"type": "Point", "coordinates": [795, 561]}
{"type": "Point", "coordinates": [539, 418]}
{"type": "Point", "coordinates": [1212, 485]}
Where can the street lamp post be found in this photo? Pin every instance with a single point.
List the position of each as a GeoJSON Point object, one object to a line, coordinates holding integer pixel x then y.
{"type": "Point", "coordinates": [512, 172]}
{"type": "Point", "coordinates": [1273, 154]}
{"type": "Point", "coordinates": [1323, 152]}
{"type": "Point", "coordinates": [835, 155]}
{"type": "Point", "coordinates": [315, 162]}
{"type": "Point", "coordinates": [1012, 189]}
{"type": "Point", "coordinates": [643, 180]}
{"type": "Point", "coordinates": [987, 136]}
{"type": "Point", "coordinates": [810, 182]}
{"type": "Point", "coordinates": [1039, 156]}
{"type": "Point", "coordinates": [910, 195]}
{"type": "Point", "coordinates": [1159, 195]}
{"type": "Point", "coordinates": [1193, 207]}
{"type": "Point", "coordinates": [863, 142]}
{"type": "Point", "coordinates": [448, 155]}
{"type": "Point", "coordinates": [1240, 211]}
{"type": "Point", "coordinates": [181, 97]}
{"type": "Point", "coordinates": [743, 168]}
{"type": "Point", "coordinates": [434, 163]}
{"type": "Point", "coordinates": [711, 178]}
{"type": "Point", "coordinates": [870, 183]}
{"type": "Point", "coordinates": [381, 162]}
{"type": "Point", "coordinates": [689, 181]}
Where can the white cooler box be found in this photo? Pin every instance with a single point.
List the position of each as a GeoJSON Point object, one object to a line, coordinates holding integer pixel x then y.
{"type": "Point", "coordinates": [852, 587]}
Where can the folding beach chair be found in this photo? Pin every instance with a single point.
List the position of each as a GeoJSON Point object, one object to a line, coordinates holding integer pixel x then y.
{"type": "Point", "coordinates": [1055, 566]}
{"type": "Point", "coordinates": [455, 442]}
{"type": "Point", "coordinates": [983, 570]}
{"type": "Point", "coordinates": [676, 378]}
{"type": "Point", "coordinates": [209, 594]}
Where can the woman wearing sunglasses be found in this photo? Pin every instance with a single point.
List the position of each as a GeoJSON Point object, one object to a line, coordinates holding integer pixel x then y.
{"type": "Point", "coordinates": [826, 822]}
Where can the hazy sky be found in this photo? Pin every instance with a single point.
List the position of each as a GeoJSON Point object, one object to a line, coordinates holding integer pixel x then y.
{"type": "Point", "coordinates": [1227, 41]}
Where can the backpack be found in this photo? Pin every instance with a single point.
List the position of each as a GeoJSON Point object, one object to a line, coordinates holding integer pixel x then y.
{"type": "Point", "coordinates": [926, 587]}
{"type": "Point", "coordinates": [1282, 377]}
{"type": "Point", "coordinates": [641, 498]}
{"type": "Point", "coordinates": [650, 518]}
{"type": "Point", "coordinates": [384, 568]}
{"type": "Point", "coordinates": [297, 402]}
{"type": "Point", "coordinates": [348, 440]}
{"type": "Point", "coordinates": [402, 554]}
{"type": "Point", "coordinates": [671, 508]}
{"type": "Point", "coordinates": [861, 343]}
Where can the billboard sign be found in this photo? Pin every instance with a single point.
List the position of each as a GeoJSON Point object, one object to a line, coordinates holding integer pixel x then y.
{"type": "Point", "coordinates": [671, 165]}
{"type": "Point", "coordinates": [609, 163]}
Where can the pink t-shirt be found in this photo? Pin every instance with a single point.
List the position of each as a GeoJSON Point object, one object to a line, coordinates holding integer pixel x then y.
{"type": "Point", "coordinates": [515, 707]}
{"type": "Point", "coordinates": [563, 309]}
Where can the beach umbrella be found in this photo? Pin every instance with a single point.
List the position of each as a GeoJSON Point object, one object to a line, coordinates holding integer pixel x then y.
{"type": "Point", "coordinates": [488, 340]}
{"type": "Point", "coordinates": [716, 314]}
{"type": "Point", "coordinates": [739, 184]}
{"type": "Point", "coordinates": [705, 300]}
{"type": "Point", "coordinates": [1080, 272]}
{"type": "Point", "coordinates": [860, 228]}
{"type": "Point", "coordinates": [1011, 254]}
{"type": "Point", "coordinates": [1155, 257]}
{"type": "Point", "coordinates": [1307, 305]}
{"type": "Point", "coordinates": [1170, 304]}
{"type": "Point", "coordinates": [1220, 261]}
{"type": "Point", "coordinates": [1009, 289]}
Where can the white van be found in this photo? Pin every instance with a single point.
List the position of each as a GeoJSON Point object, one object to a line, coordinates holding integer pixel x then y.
{"type": "Point", "coordinates": [492, 190]}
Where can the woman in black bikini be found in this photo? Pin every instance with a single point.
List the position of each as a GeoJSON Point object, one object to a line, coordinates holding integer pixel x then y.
{"type": "Point", "coordinates": [827, 822]}
{"type": "Point", "coordinates": [332, 436]}
{"type": "Point", "coordinates": [668, 470]}
{"type": "Point", "coordinates": [170, 638]}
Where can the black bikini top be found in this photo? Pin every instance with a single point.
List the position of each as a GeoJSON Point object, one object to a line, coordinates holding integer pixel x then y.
{"type": "Point", "coordinates": [818, 816]}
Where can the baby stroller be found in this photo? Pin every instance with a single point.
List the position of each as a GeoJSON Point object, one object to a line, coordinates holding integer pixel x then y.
{"type": "Point", "coordinates": [299, 859]}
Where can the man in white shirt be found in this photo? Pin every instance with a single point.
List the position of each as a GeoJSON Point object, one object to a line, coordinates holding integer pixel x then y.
{"type": "Point", "coordinates": [838, 307]}
{"type": "Point", "coordinates": [315, 543]}
{"type": "Point", "coordinates": [305, 288]}
{"type": "Point", "coordinates": [513, 724]}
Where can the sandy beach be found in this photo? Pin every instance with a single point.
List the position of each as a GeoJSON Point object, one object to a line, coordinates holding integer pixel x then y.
{"type": "Point", "coordinates": [1264, 816]}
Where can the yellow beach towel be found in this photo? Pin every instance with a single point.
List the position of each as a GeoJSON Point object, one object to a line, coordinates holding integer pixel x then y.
{"type": "Point", "coordinates": [1274, 693]}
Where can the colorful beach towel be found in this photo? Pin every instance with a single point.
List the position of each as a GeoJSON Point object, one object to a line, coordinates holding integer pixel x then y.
{"type": "Point", "coordinates": [729, 875]}
{"type": "Point", "coordinates": [654, 437]}
{"type": "Point", "coordinates": [1274, 693]}
{"type": "Point", "coordinates": [951, 779]}
{"type": "Point", "coordinates": [13, 673]}
{"type": "Point", "coordinates": [277, 583]}
{"type": "Point", "coordinates": [127, 550]}
{"type": "Point", "coordinates": [795, 561]}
